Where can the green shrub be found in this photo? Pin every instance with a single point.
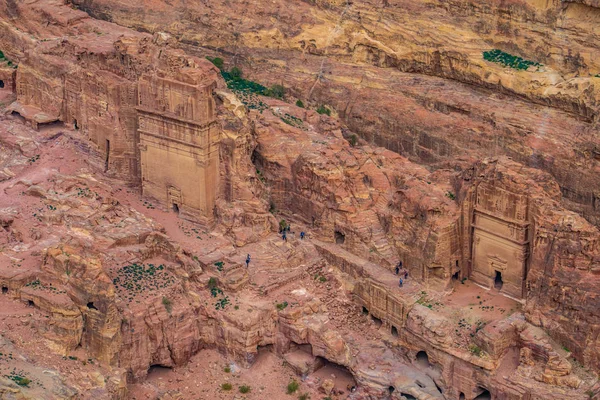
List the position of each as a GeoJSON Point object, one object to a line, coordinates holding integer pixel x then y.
{"type": "Point", "coordinates": [282, 225]}
{"type": "Point", "coordinates": [450, 195]}
{"type": "Point", "coordinates": [277, 91]}
{"type": "Point", "coordinates": [226, 386]}
{"type": "Point", "coordinates": [353, 140]}
{"type": "Point", "coordinates": [476, 350]}
{"type": "Point", "coordinates": [212, 282]}
{"type": "Point", "coordinates": [236, 73]}
{"type": "Point", "coordinates": [299, 103]}
{"type": "Point", "coordinates": [322, 279]}
{"type": "Point", "coordinates": [304, 396]}
{"type": "Point", "coordinates": [508, 60]}
{"type": "Point", "coordinates": [217, 61]}
{"type": "Point", "coordinates": [323, 110]}
{"type": "Point", "coordinates": [168, 304]}
{"type": "Point", "coordinates": [227, 369]}
{"type": "Point", "coordinates": [281, 306]}
{"type": "Point", "coordinates": [292, 386]}
{"type": "Point", "coordinates": [244, 389]}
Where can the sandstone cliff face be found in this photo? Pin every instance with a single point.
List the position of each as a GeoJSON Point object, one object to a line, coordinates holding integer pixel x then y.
{"type": "Point", "coordinates": [134, 294]}
{"type": "Point", "coordinates": [324, 52]}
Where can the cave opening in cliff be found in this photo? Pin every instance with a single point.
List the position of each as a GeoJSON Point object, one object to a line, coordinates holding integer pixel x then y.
{"type": "Point", "coordinates": [422, 359]}
{"type": "Point", "coordinates": [394, 331]}
{"type": "Point", "coordinates": [377, 321]}
{"type": "Point", "coordinates": [325, 369]}
{"type": "Point", "coordinates": [158, 371]}
{"type": "Point", "coordinates": [175, 208]}
{"type": "Point", "coordinates": [4, 290]}
{"type": "Point", "coordinates": [340, 238]}
{"type": "Point", "coordinates": [498, 280]}
{"type": "Point", "coordinates": [484, 395]}
{"type": "Point", "coordinates": [391, 389]}
{"type": "Point", "coordinates": [408, 396]}
{"type": "Point", "coordinates": [107, 159]}
{"type": "Point", "coordinates": [91, 306]}
{"type": "Point", "coordinates": [1, 84]}
{"type": "Point", "coordinates": [461, 396]}
{"type": "Point", "coordinates": [455, 276]}
{"type": "Point", "coordinates": [75, 125]}
{"type": "Point", "coordinates": [30, 303]}
{"type": "Point", "coordinates": [365, 311]}
{"type": "Point", "coordinates": [18, 116]}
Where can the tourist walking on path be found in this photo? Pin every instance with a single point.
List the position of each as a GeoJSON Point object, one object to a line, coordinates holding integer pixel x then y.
{"type": "Point", "coordinates": [401, 282]}
{"type": "Point", "coordinates": [284, 236]}
{"type": "Point", "coordinates": [405, 275]}
{"type": "Point", "coordinates": [302, 235]}
{"type": "Point", "coordinates": [247, 260]}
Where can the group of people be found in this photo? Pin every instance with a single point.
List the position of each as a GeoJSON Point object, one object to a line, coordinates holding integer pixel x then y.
{"type": "Point", "coordinates": [283, 233]}
{"type": "Point", "coordinates": [286, 230]}
{"type": "Point", "coordinates": [405, 273]}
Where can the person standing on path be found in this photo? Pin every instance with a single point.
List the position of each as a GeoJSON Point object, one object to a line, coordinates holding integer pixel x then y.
{"type": "Point", "coordinates": [247, 260]}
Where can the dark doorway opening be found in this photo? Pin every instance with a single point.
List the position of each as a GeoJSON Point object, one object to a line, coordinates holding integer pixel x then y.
{"type": "Point", "coordinates": [391, 389]}
{"type": "Point", "coordinates": [498, 280]}
{"type": "Point", "coordinates": [30, 303]}
{"type": "Point", "coordinates": [107, 159]}
{"type": "Point", "coordinates": [394, 331]}
{"type": "Point", "coordinates": [455, 276]}
{"type": "Point", "coordinates": [4, 290]}
{"type": "Point", "coordinates": [422, 359]}
{"type": "Point", "coordinates": [1, 84]}
{"type": "Point", "coordinates": [18, 116]}
{"type": "Point", "coordinates": [485, 395]}
{"type": "Point", "coordinates": [365, 311]}
{"type": "Point", "coordinates": [408, 396]}
{"type": "Point", "coordinates": [158, 371]}
{"type": "Point", "coordinates": [75, 126]}
{"type": "Point", "coordinates": [340, 238]}
{"type": "Point", "coordinates": [377, 321]}
{"type": "Point", "coordinates": [175, 208]}
{"type": "Point", "coordinates": [461, 396]}
{"type": "Point", "coordinates": [91, 306]}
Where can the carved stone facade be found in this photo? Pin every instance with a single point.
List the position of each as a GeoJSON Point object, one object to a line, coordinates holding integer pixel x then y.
{"type": "Point", "coordinates": [500, 246]}
{"type": "Point", "coordinates": [152, 127]}
{"type": "Point", "coordinates": [179, 144]}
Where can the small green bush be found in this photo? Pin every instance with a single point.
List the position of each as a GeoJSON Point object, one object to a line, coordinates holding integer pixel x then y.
{"type": "Point", "coordinates": [226, 386]}
{"type": "Point", "coordinates": [227, 369]}
{"type": "Point", "coordinates": [304, 396]}
{"type": "Point", "coordinates": [299, 103]}
{"type": "Point", "coordinates": [236, 73]}
{"type": "Point", "coordinates": [292, 386]}
{"type": "Point", "coordinates": [282, 224]}
{"type": "Point", "coordinates": [281, 306]}
{"type": "Point", "coordinates": [324, 110]}
{"type": "Point", "coordinates": [212, 282]}
{"type": "Point", "coordinates": [217, 61]}
{"type": "Point", "coordinates": [450, 195]}
{"type": "Point", "coordinates": [277, 91]}
{"type": "Point", "coordinates": [322, 278]}
{"type": "Point", "coordinates": [476, 350]}
{"type": "Point", "coordinates": [244, 389]}
{"type": "Point", "coordinates": [353, 140]}
{"type": "Point", "coordinates": [168, 304]}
